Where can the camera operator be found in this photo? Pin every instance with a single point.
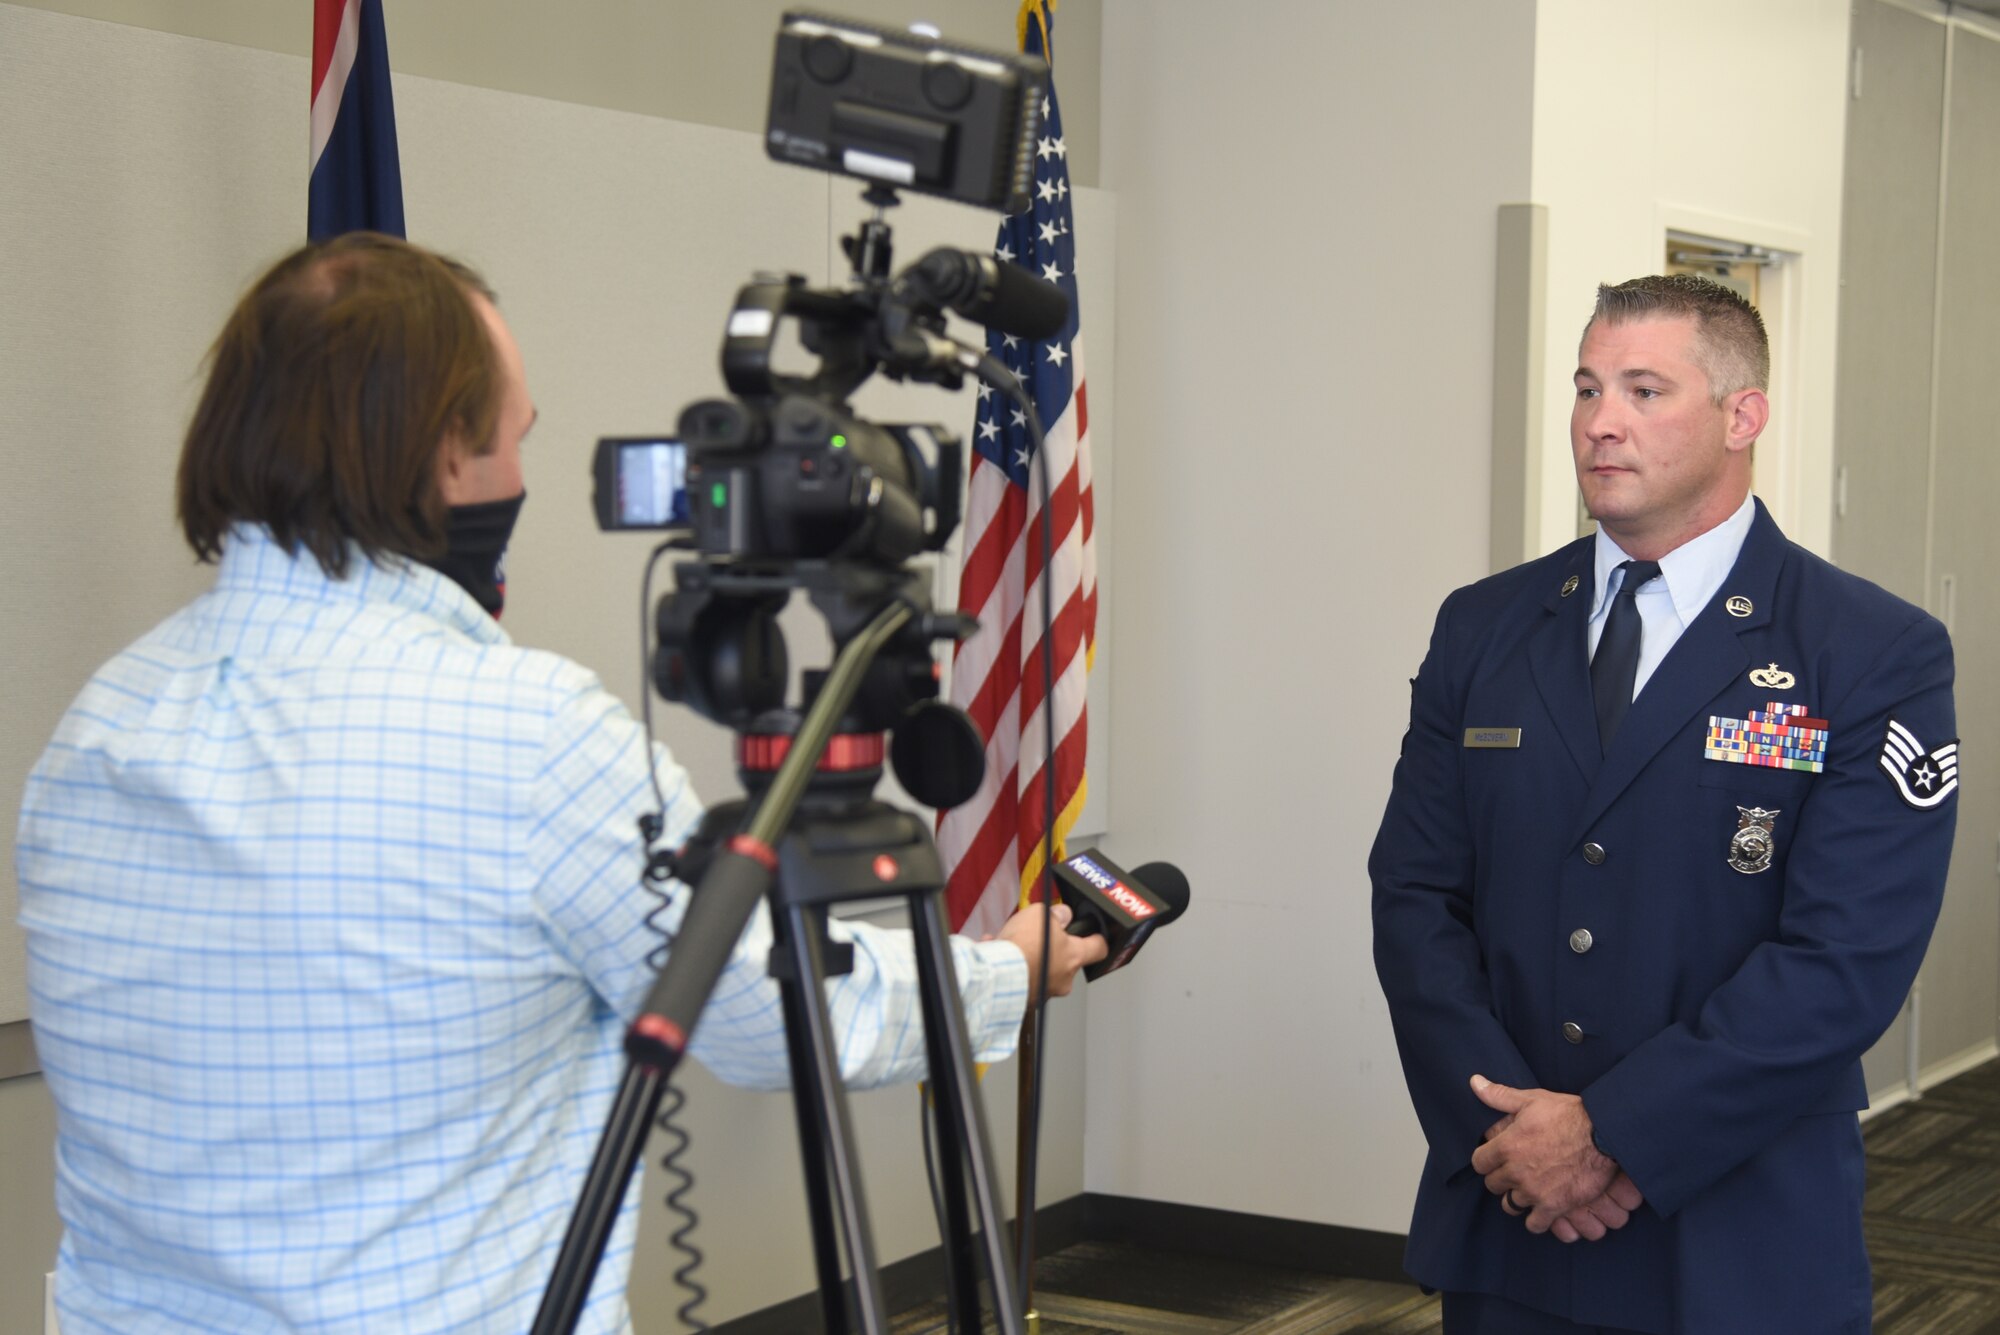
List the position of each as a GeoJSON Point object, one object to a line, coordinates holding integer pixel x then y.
{"type": "Point", "coordinates": [332, 892]}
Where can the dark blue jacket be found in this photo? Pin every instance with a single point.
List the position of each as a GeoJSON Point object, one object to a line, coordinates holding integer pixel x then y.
{"type": "Point", "coordinates": [1722, 1013]}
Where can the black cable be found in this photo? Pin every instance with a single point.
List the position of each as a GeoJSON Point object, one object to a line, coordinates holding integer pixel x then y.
{"type": "Point", "coordinates": [653, 880]}
{"type": "Point", "coordinates": [646, 672]}
{"type": "Point", "coordinates": [658, 868]}
{"type": "Point", "coordinates": [677, 1204]}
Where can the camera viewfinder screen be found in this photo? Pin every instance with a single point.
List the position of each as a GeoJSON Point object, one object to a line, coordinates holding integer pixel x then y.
{"type": "Point", "coordinates": [652, 483]}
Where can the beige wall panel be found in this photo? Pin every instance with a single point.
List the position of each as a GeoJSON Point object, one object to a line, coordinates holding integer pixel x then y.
{"type": "Point", "coordinates": [29, 1230]}
{"type": "Point", "coordinates": [1961, 977]}
{"type": "Point", "coordinates": [1306, 278]}
{"type": "Point", "coordinates": [1882, 422]}
{"type": "Point", "coordinates": [1888, 270]}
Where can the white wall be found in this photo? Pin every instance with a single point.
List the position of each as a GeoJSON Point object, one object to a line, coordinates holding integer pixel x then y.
{"type": "Point", "coordinates": [1306, 212]}
{"type": "Point", "coordinates": [1707, 116]}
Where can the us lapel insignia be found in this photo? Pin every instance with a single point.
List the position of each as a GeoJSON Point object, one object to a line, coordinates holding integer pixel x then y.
{"type": "Point", "coordinates": [1738, 606]}
{"type": "Point", "coordinates": [1773, 677]}
{"type": "Point", "coordinates": [1569, 585]}
{"type": "Point", "coordinates": [1751, 848]}
{"type": "Point", "coordinates": [1922, 778]}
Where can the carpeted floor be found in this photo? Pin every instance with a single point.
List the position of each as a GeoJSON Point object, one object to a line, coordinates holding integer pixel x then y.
{"type": "Point", "coordinates": [1933, 1211]}
{"type": "Point", "coordinates": [1933, 1221]}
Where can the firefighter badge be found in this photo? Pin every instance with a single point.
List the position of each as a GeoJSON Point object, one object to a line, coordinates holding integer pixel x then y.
{"type": "Point", "coordinates": [1751, 848]}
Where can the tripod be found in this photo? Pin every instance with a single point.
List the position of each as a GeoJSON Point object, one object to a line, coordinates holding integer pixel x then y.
{"type": "Point", "coordinates": [809, 844]}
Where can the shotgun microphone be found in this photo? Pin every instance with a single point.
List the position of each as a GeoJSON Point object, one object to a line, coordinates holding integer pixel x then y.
{"type": "Point", "coordinates": [992, 292]}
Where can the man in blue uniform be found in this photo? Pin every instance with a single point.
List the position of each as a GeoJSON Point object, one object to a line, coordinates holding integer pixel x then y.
{"type": "Point", "coordinates": [1663, 852]}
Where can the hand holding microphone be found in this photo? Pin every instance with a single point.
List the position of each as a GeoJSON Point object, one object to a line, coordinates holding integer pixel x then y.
{"type": "Point", "coordinates": [1124, 908]}
{"type": "Point", "coordinates": [1067, 953]}
{"type": "Point", "coordinates": [1103, 914]}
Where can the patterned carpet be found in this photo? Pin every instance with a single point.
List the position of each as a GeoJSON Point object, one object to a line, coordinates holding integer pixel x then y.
{"type": "Point", "coordinates": [1933, 1221]}
{"type": "Point", "coordinates": [1933, 1210]}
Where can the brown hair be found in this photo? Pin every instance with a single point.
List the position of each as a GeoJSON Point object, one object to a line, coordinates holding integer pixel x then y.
{"type": "Point", "coordinates": [330, 392]}
{"type": "Point", "coordinates": [1730, 344]}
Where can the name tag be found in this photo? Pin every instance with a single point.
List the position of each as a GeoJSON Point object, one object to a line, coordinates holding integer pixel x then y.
{"type": "Point", "coordinates": [1494, 738]}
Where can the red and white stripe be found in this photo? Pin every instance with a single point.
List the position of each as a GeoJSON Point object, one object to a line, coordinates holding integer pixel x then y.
{"type": "Point", "coordinates": [336, 38]}
{"type": "Point", "coordinates": [993, 843]}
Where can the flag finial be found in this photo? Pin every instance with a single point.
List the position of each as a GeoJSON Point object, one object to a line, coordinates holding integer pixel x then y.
{"type": "Point", "coordinates": [1040, 11]}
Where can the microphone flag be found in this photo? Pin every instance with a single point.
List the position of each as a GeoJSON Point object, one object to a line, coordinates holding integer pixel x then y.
{"type": "Point", "coordinates": [356, 181]}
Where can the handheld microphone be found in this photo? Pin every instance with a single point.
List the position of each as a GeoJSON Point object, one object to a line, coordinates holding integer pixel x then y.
{"type": "Point", "coordinates": [991, 292]}
{"type": "Point", "coordinates": [1126, 908]}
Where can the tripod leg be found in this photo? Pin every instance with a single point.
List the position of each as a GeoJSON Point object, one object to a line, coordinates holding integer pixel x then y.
{"type": "Point", "coordinates": [951, 1066]}
{"type": "Point", "coordinates": [596, 1214]}
{"type": "Point", "coordinates": [961, 1267]}
{"type": "Point", "coordinates": [840, 1169]}
{"type": "Point", "coordinates": [806, 1112]}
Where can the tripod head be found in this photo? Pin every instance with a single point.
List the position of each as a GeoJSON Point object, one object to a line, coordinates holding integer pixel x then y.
{"type": "Point", "coordinates": [722, 652]}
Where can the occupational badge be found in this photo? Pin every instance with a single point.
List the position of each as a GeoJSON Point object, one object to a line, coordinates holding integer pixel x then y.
{"type": "Point", "coordinates": [1751, 848]}
{"type": "Point", "coordinates": [1569, 585]}
{"type": "Point", "coordinates": [1738, 606]}
{"type": "Point", "coordinates": [1922, 778]}
{"type": "Point", "coordinates": [1773, 678]}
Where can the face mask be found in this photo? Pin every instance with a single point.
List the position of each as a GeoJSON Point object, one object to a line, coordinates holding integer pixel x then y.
{"type": "Point", "coordinates": [475, 556]}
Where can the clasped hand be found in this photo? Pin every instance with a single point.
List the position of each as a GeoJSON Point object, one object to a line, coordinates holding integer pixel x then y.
{"type": "Point", "coordinates": [1540, 1161]}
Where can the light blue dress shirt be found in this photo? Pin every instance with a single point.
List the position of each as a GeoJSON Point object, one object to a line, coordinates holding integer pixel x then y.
{"type": "Point", "coordinates": [334, 922]}
{"type": "Point", "coordinates": [1690, 575]}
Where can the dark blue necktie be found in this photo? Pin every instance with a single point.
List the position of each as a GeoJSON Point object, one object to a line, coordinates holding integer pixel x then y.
{"type": "Point", "coordinates": [1616, 664]}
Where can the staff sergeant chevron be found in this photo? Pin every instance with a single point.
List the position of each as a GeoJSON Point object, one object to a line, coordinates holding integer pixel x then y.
{"type": "Point", "coordinates": [1924, 779]}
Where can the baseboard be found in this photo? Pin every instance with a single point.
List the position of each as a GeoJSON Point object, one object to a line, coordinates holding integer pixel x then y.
{"type": "Point", "coordinates": [1326, 1249]}
{"type": "Point", "coordinates": [1930, 1076]}
{"type": "Point", "coordinates": [910, 1281]}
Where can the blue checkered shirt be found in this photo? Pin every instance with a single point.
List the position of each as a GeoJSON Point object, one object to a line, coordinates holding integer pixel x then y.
{"type": "Point", "coordinates": [333, 913]}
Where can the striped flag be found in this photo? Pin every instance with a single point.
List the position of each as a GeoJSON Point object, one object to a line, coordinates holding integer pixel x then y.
{"type": "Point", "coordinates": [993, 843]}
{"type": "Point", "coordinates": [357, 182]}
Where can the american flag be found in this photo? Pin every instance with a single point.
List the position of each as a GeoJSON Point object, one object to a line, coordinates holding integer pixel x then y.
{"type": "Point", "coordinates": [993, 843]}
{"type": "Point", "coordinates": [357, 179]}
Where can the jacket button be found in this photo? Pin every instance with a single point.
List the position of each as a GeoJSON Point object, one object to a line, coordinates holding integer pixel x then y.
{"type": "Point", "coordinates": [1581, 940]}
{"type": "Point", "coordinates": [1593, 853]}
{"type": "Point", "coordinates": [1572, 1031]}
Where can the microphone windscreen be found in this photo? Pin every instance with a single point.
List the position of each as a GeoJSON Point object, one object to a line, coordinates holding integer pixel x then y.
{"type": "Point", "coordinates": [938, 754]}
{"type": "Point", "coordinates": [1164, 879]}
{"type": "Point", "coordinates": [1023, 304]}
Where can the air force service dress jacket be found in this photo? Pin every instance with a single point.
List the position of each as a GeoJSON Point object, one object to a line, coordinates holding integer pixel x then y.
{"type": "Point", "coordinates": [1700, 947]}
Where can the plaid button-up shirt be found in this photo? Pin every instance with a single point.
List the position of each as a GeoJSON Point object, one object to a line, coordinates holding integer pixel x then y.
{"type": "Point", "coordinates": [334, 921]}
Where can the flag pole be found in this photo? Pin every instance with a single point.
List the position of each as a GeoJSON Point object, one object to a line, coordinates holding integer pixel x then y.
{"type": "Point", "coordinates": [1024, 1195]}
{"type": "Point", "coordinates": [1027, 1106]}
